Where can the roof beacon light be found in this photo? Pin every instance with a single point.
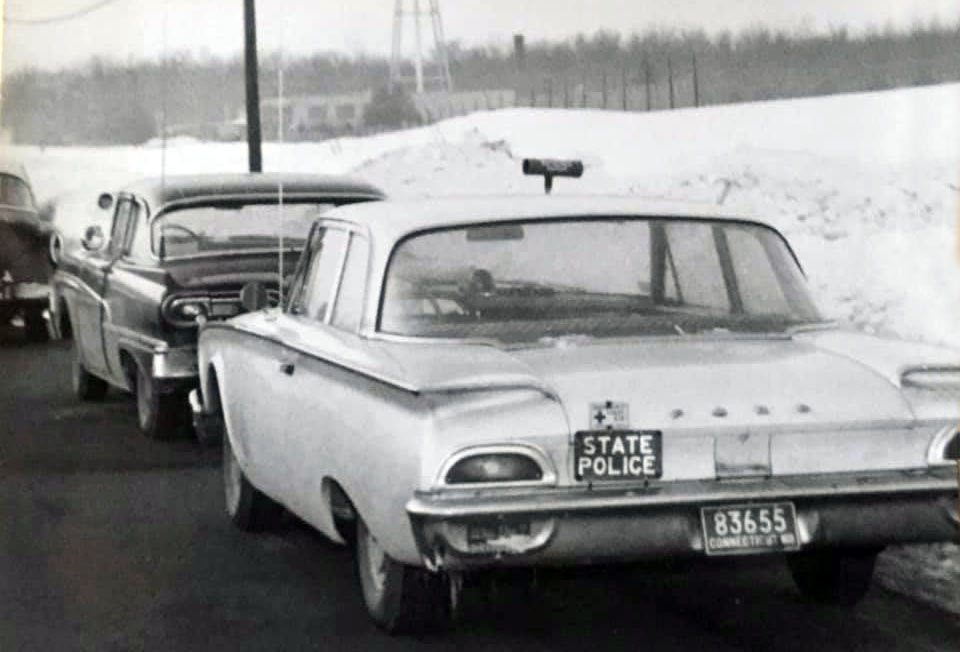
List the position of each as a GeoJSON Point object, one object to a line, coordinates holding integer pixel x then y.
{"type": "Point", "coordinates": [549, 168]}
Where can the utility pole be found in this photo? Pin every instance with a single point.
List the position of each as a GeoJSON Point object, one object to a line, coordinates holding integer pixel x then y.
{"type": "Point", "coordinates": [254, 154]}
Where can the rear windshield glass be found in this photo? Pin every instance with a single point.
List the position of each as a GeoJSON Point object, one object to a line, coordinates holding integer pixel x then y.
{"type": "Point", "coordinates": [201, 230]}
{"type": "Point", "coordinates": [595, 277]}
{"type": "Point", "coordinates": [15, 192]}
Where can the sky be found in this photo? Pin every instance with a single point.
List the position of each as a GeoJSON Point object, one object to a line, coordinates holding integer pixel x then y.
{"type": "Point", "coordinates": [136, 29]}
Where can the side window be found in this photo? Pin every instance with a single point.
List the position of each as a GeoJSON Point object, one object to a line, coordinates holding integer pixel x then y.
{"type": "Point", "coordinates": [696, 265]}
{"type": "Point", "coordinates": [759, 286]}
{"type": "Point", "coordinates": [349, 306]}
{"type": "Point", "coordinates": [121, 227]}
{"type": "Point", "coordinates": [322, 274]}
{"type": "Point", "coordinates": [140, 239]}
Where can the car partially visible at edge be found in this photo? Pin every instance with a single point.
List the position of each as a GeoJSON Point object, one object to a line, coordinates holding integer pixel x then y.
{"type": "Point", "coordinates": [177, 252]}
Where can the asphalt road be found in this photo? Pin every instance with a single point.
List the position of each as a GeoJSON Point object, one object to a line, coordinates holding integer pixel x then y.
{"type": "Point", "coordinates": [109, 541]}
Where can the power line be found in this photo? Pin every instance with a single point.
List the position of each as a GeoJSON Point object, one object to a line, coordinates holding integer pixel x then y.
{"type": "Point", "coordinates": [89, 9]}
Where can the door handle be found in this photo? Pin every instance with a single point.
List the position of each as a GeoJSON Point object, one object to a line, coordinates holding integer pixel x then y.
{"type": "Point", "coordinates": [288, 368]}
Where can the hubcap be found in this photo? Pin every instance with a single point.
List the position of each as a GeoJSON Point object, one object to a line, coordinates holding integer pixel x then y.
{"type": "Point", "coordinates": [231, 478]}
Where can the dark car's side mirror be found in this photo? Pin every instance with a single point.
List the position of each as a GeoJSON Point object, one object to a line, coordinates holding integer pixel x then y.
{"type": "Point", "coordinates": [105, 200]}
{"type": "Point", "coordinates": [93, 238]}
{"type": "Point", "coordinates": [55, 249]}
{"type": "Point", "coordinates": [253, 296]}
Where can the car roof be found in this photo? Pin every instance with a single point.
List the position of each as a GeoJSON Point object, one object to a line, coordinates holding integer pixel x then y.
{"type": "Point", "coordinates": [394, 218]}
{"type": "Point", "coordinates": [160, 191]}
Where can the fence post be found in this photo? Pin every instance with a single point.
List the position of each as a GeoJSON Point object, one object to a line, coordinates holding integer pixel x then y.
{"type": "Point", "coordinates": [623, 87]}
{"type": "Point", "coordinates": [583, 91]}
{"type": "Point", "coordinates": [670, 80]}
{"type": "Point", "coordinates": [566, 93]}
{"type": "Point", "coordinates": [603, 88]}
{"type": "Point", "coordinates": [696, 82]}
{"type": "Point", "coordinates": [549, 84]}
{"type": "Point", "coordinates": [646, 78]}
{"type": "Point", "coordinates": [533, 95]}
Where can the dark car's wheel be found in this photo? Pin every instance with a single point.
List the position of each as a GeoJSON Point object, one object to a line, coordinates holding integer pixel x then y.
{"type": "Point", "coordinates": [401, 599]}
{"type": "Point", "coordinates": [35, 326]}
{"type": "Point", "coordinates": [249, 509]}
{"type": "Point", "coordinates": [159, 415]}
{"type": "Point", "coordinates": [86, 386]}
{"type": "Point", "coordinates": [833, 576]}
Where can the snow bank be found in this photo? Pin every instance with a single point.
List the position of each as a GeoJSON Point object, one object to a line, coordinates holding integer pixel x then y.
{"type": "Point", "coordinates": [865, 185]}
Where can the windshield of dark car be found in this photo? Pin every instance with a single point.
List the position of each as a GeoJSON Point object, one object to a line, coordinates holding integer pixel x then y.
{"type": "Point", "coordinates": [201, 230]}
{"type": "Point", "coordinates": [15, 192]}
{"type": "Point", "coordinates": [593, 277]}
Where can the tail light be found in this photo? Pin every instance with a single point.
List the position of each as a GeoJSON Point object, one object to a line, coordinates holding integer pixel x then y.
{"type": "Point", "coordinates": [503, 464]}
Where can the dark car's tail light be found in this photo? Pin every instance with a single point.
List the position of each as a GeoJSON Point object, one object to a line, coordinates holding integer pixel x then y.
{"type": "Point", "coordinates": [184, 311]}
{"type": "Point", "coordinates": [494, 467]}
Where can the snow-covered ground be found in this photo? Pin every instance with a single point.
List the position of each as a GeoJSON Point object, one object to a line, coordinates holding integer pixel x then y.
{"type": "Point", "coordinates": [865, 186]}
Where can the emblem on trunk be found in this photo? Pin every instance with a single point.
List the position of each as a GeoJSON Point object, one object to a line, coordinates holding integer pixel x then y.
{"type": "Point", "coordinates": [609, 415]}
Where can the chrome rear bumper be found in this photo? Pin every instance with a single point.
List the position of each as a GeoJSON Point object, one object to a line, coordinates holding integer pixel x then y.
{"type": "Point", "coordinates": [580, 526]}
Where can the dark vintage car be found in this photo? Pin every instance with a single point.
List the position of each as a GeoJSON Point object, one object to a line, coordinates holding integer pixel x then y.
{"type": "Point", "coordinates": [178, 251]}
{"type": "Point", "coordinates": [24, 266]}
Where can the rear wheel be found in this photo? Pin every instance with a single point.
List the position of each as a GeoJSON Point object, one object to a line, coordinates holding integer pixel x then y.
{"type": "Point", "coordinates": [159, 415]}
{"type": "Point", "coordinates": [840, 576]}
{"type": "Point", "coordinates": [86, 386]}
{"type": "Point", "coordinates": [401, 599]}
{"type": "Point", "coordinates": [249, 509]}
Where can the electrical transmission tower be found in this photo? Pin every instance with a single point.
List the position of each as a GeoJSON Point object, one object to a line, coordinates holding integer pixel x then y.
{"type": "Point", "coordinates": [441, 79]}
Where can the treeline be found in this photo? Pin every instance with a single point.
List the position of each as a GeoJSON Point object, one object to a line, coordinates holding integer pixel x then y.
{"type": "Point", "coordinates": [109, 102]}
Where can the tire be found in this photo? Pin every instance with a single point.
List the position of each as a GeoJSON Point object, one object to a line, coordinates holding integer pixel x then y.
{"type": "Point", "coordinates": [840, 577]}
{"type": "Point", "coordinates": [160, 416]}
{"type": "Point", "coordinates": [248, 508]}
{"type": "Point", "coordinates": [400, 599]}
{"type": "Point", "coordinates": [86, 386]}
{"type": "Point", "coordinates": [35, 326]}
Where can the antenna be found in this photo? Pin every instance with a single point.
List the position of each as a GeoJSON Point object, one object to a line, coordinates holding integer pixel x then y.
{"type": "Point", "coordinates": [280, 180]}
{"type": "Point", "coordinates": [163, 103]}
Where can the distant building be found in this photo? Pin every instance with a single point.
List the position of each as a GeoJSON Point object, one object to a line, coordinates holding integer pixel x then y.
{"type": "Point", "coordinates": [318, 116]}
{"type": "Point", "coordinates": [308, 116]}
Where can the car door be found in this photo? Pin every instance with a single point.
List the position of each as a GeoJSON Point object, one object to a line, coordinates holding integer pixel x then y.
{"type": "Point", "coordinates": [306, 332]}
{"type": "Point", "coordinates": [90, 310]}
{"type": "Point", "coordinates": [133, 289]}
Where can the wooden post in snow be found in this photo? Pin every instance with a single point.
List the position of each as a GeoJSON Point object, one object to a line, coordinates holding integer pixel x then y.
{"type": "Point", "coordinates": [670, 81]}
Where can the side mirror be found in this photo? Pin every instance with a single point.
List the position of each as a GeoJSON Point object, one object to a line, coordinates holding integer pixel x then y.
{"type": "Point", "coordinates": [93, 238]}
{"type": "Point", "coordinates": [105, 200]}
{"type": "Point", "coordinates": [253, 296]}
{"type": "Point", "coordinates": [56, 247]}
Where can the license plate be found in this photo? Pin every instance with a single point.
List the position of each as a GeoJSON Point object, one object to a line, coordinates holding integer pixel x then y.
{"type": "Point", "coordinates": [483, 532]}
{"type": "Point", "coordinates": [745, 529]}
{"type": "Point", "coordinates": [618, 454]}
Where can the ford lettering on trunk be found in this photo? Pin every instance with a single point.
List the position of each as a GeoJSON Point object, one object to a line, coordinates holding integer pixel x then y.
{"type": "Point", "coordinates": [618, 454]}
